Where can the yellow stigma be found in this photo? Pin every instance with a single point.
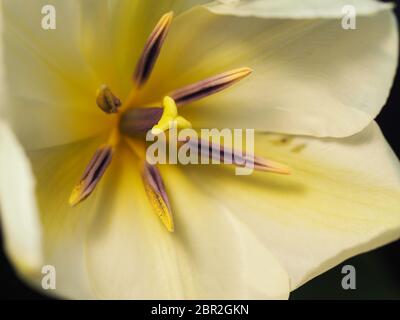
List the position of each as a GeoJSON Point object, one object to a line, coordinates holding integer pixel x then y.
{"type": "Point", "coordinates": [169, 118]}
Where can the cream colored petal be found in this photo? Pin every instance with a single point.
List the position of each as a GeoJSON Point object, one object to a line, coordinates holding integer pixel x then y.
{"type": "Point", "coordinates": [2, 73]}
{"type": "Point", "coordinates": [211, 255]}
{"type": "Point", "coordinates": [295, 9]}
{"type": "Point", "coordinates": [64, 228]}
{"type": "Point", "coordinates": [342, 199]}
{"type": "Point", "coordinates": [114, 246]}
{"type": "Point", "coordinates": [18, 211]}
{"type": "Point", "coordinates": [51, 89]}
{"type": "Point", "coordinates": [310, 76]}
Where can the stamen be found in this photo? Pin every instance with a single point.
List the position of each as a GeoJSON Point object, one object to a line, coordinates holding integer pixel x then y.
{"type": "Point", "coordinates": [221, 153]}
{"type": "Point", "coordinates": [107, 101]}
{"type": "Point", "coordinates": [157, 195]}
{"type": "Point", "coordinates": [137, 121]}
{"type": "Point", "coordinates": [209, 86]}
{"type": "Point", "coordinates": [94, 171]}
{"type": "Point", "coordinates": [153, 184]}
{"type": "Point", "coordinates": [152, 50]}
{"type": "Point", "coordinates": [169, 117]}
{"type": "Point", "coordinates": [92, 175]}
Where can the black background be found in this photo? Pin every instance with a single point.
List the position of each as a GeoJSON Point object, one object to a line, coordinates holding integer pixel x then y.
{"type": "Point", "coordinates": [378, 272]}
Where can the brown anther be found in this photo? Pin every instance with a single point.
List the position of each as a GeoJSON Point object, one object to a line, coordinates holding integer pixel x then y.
{"type": "Point", "coordinates": [92, 175]}
{"type": "Point", "coordinates": [209, 86]}
{"type": "Point", "coordinates": [226, 155]}
{"type": "Point", "coordinates": [157, 195]}
{"type": "Point", "coordinates": [152, 50]}
{"type": "Point", "coordinates": [107, 101]}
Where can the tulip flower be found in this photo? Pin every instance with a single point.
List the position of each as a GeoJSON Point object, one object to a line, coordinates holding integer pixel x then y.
{"type": "Point", "coordinates": [77, 193]}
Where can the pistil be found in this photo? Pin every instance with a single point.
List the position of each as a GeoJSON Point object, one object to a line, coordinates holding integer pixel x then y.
{"type": "Point", "coordinates": [170, 117]}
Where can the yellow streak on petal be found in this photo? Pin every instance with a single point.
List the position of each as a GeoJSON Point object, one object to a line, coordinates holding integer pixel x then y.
{"type": "Point", "coordinates": [114, 138]}
{"type": "Point", "coordinates": [137, 147]}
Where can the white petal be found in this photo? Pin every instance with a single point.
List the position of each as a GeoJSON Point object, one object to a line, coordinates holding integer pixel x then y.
{"type": "Point", "coordinates": [18, 211]}
{"type": "Point", "coordinates": [131, 255]}
{"type": "Point", "coordinates": [295, 9]}
{"type": "Point", "coordinates": [2, 75]}
{"type": "Point", "coordinates": [342, 199]}
{"type": "Point", "coordinates": [310, 77]}
{"type": "Point", "coordinates": [114, 246]}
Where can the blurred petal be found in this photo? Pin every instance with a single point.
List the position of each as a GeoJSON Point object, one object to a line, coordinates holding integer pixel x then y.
{"type": "Point", "coordinates": [295, 9]}
{"type": "Point", "coordinates": [51, 89]}
{"type": "Point", "coordinates": [342, 199]}
{"type": "Point", "coordinates": [64, 228]}
{"type": "Point", "coordinates": [131, 255]}
{"type": "Point", "coordinates": [310, 77]}
{"type": "Point", "coordinates": [18, 212]}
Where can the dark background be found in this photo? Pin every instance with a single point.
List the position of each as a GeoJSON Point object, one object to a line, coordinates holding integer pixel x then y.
{"type": "Point", "coordinates": [378, 272]}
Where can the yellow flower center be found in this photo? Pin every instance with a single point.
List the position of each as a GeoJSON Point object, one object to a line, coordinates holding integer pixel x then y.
{"type": "Point", "coordinates": [134, 122]}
